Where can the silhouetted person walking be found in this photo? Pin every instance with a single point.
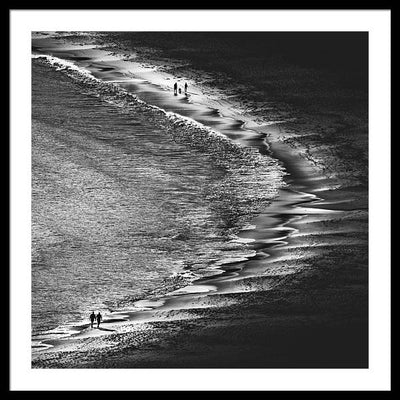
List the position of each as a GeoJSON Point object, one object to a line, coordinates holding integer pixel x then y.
{"type": "Point", "coordinates": [175, 88]}
{"type": "Point", "coordinates": [99, 318]}
{"type": "Point", "coordinates": [92, 318]}
{"type": "Point", "coordinates": [186, 86]}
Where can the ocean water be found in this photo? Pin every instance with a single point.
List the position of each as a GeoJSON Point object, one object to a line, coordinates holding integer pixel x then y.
{"type": "Point", "coordinates": [129, 201]}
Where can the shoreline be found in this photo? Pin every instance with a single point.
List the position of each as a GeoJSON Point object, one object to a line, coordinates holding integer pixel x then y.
{"type": "Point", "coordinates": [262, 296]}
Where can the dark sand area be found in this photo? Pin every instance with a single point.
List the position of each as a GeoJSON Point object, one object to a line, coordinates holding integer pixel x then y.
{"type": "Point", "coordinates": [319, 80]}
{"type": "Point", "coordinates": [316, 316]}
{"type": "Point", "coordinates": [287, 64]}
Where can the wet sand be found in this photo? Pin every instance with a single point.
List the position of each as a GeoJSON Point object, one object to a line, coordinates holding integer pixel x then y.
{"type": "Point", "coordinates": [301, 302]}
{"type": "Point", "coordinates": [315, 317]}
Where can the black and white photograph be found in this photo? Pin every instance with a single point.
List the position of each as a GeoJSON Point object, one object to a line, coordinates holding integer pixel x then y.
{"type": "Point", "coordinates": [201, 199]}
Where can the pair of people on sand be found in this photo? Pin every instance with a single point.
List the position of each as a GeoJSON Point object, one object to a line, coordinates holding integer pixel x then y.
{"type": "Point", "coordinates": [180, 90]}
{"type": "Point", "coordinates": [94, 317]}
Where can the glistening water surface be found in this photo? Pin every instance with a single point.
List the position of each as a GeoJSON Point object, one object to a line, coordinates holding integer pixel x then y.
{"type": "Point", "coordinates": [124, 206]}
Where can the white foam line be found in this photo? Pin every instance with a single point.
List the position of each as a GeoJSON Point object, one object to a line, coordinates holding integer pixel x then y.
{"type": "Point", "coordinates": [61, 64]}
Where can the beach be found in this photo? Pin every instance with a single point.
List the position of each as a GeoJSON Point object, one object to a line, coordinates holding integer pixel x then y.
{"type": "Point", "coordinates": [282, 282]}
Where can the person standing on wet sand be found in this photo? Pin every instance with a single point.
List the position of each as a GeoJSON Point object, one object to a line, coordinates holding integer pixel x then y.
{"type": "Point", "coordinates": [92, 318]}
{"type": "Point", "coordinates": [175, 88]}
{"type": "Point", "coordinates": [99, 318]}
